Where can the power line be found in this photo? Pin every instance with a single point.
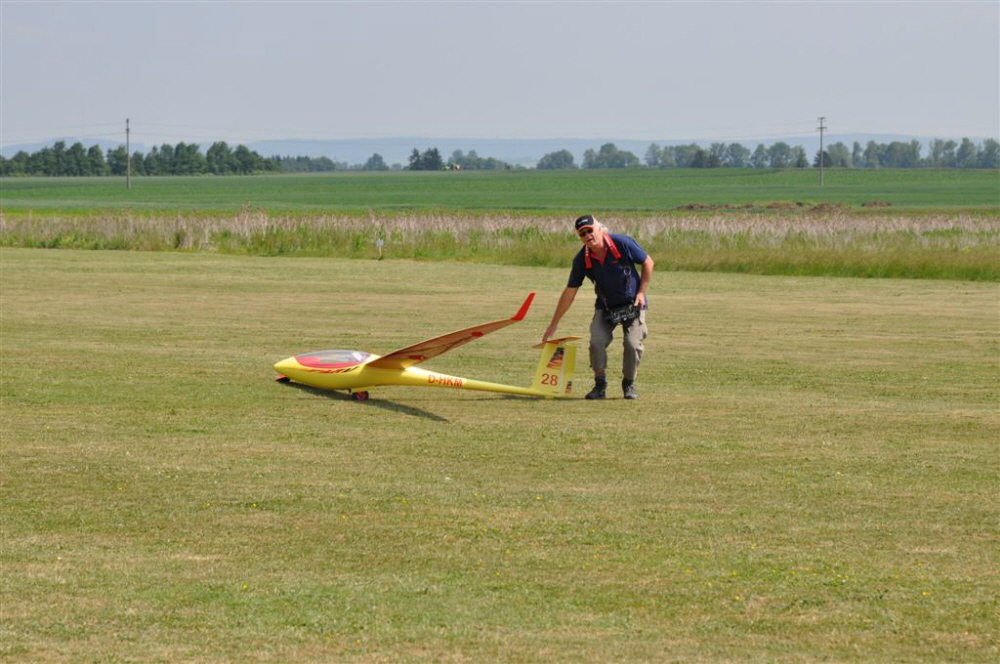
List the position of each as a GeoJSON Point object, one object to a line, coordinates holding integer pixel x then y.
{"type": "Point", "coordinates": [63, 128]}
{"type": "Point", "coordinates": [190, 132]}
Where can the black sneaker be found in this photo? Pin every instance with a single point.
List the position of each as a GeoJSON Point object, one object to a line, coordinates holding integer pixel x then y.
{"type": "Point", "coordinates": [628, 387]}
{"type": "Point", "coordinates": [600, 385]}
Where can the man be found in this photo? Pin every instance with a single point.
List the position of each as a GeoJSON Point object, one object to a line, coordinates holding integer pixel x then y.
{"type": "Point", "coordinates": [609, 261]}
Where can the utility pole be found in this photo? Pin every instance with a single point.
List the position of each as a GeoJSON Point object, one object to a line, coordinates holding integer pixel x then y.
{"type": "Point", "coordinates": [128, 158]}
{"type": "Point", "coordinates": [821, 159]}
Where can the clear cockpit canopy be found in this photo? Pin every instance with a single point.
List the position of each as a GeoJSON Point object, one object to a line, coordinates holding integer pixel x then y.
{"type": "Point", "coordinates": [326, 359]}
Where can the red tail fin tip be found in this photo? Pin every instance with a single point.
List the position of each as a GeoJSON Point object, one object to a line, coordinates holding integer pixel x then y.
{"type": "Point", "coordinates": [523, 311]}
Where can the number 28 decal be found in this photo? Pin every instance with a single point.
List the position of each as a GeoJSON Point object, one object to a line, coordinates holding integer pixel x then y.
{"type": "Point", "coordinates": [550, 379]}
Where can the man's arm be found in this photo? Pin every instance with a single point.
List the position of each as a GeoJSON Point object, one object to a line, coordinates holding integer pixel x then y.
{"type": "Point", "coordinates": [644, 277]}
{"type": "Point", "coordinates": [565, 300]}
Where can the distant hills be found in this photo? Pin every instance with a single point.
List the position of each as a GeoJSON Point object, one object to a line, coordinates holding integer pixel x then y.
{"type": "Point", "coordinates": [519, 152]}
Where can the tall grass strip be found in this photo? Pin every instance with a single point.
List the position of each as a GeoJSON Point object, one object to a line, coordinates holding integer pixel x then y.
{"type": "Point", "coordinates": [840, 243]}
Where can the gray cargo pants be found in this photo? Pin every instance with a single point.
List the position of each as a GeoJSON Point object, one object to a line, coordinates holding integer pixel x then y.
{"type": "Point", "coordinates": [601, 334]}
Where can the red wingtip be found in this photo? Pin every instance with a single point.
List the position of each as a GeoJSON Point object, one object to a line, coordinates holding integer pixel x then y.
{"type": "Point", "coordinates": [523, 311]}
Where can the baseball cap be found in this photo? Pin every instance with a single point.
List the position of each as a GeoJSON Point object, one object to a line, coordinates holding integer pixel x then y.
{"type": "Point", "coordinates": [585, 221]}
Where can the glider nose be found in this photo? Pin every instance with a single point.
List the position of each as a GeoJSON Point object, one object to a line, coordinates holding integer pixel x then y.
{"type": "Point", "coordinates": [286, 365]}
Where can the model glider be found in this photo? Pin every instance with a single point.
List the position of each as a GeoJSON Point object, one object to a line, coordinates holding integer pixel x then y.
{"type": "Point", "coordinates": [358, 371]}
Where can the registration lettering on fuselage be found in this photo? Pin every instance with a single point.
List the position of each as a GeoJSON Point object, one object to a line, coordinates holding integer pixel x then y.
{"type": "Point", "coordinates": [445, 381]}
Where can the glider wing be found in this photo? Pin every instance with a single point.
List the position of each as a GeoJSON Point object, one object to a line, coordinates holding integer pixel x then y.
{"type": "Point", "coordinates": [425, 350]}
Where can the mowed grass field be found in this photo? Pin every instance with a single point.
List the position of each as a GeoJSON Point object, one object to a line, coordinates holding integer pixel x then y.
{"type": "Point", "coordinates": [810, 473]}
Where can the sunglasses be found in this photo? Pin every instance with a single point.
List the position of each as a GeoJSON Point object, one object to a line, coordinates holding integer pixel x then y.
{"type": "Point", "coordinates": [585, 232]}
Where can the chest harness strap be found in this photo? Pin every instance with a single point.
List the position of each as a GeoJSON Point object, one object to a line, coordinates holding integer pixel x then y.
{"type": "Point", "coordinates": [610, 244]}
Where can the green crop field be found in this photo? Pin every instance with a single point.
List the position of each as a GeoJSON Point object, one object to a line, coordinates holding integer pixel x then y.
{"type": "Point", "coordinates": [810, 473]}
{"type": "Point", "coordinates": [912, 224]}
{"type": "Point", "coordinates": [561, 192]}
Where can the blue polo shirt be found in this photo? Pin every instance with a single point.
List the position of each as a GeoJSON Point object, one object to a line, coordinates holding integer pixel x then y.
{"type": "Point", "coordinates": [617, 279]}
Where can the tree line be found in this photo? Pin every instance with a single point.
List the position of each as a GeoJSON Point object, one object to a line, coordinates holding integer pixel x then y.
{"type": "Point", "coordinates": [220, 159]}
{"type": "Point", "coordinates": [180, 159]}
{"type": "Point", "coordinates": [897, 154]}
{"type": "Point", "coordinates": [431, 160]}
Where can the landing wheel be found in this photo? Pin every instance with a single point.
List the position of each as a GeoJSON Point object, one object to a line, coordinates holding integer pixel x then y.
{"type": "Point", "coordinates": [359, 396]}
{"type": "Point", "coordinates": [283, 379]}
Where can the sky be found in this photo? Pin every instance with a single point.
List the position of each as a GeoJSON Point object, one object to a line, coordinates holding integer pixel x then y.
{"type": "Point", "coordinates": [249, 71]}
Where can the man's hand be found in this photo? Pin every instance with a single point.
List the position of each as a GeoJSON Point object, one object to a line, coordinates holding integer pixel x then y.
{"type": "Point", "coordinates": [549, 331]}
{"type": "Point", "coordinates": [640, 300]}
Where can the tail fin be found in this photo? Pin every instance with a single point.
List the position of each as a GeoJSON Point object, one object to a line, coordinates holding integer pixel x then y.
{"type": "Point", "coordinates": [554, 374]}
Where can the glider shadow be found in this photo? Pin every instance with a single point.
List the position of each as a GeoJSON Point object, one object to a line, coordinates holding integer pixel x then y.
{"type": "Point", "coordinates": [373, 403]}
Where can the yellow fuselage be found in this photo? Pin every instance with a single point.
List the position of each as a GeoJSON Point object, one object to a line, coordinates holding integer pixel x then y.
{"type": "Point", "coordinates": [361, 377]}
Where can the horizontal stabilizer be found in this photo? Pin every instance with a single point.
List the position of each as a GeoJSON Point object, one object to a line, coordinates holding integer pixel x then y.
{"type": "Point", "coordinates": [560, 340]}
